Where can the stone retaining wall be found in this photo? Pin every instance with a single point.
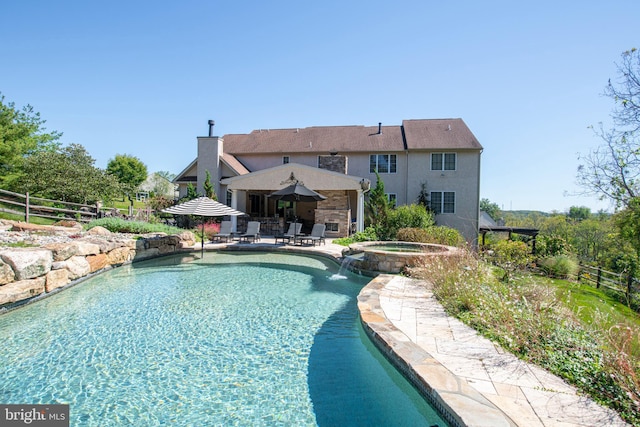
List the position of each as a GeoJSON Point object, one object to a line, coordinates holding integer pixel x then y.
{"type": "Point", "coordinates": [27, 272]}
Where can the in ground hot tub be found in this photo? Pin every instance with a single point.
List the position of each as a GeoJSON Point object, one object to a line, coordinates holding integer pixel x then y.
{"type": "Point", "coordinates": [393, 257]}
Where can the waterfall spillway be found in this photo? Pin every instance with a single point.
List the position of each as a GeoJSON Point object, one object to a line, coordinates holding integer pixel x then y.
{"type": "Point", "coordinates": [346, 264]}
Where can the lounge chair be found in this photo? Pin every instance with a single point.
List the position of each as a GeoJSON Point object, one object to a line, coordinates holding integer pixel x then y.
{"type": "Point", "coordinates": [224, 233]}
{"type": "Point", "coordinates": [317, 235]}
{"type": "Point", "coordinates": [253, 232]}
{"type": "Point", "coordinates": [294, 230]}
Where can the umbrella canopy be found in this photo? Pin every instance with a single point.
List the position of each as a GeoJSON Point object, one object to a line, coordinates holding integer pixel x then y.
{"type": "Point", "coordinates": [297, 193]}
{"type": "Point", "coordinates": [203, 206]}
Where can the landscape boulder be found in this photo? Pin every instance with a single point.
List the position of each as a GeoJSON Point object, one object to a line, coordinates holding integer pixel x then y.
{"type": "Point", "coordinates": [56, 279]}
{"type": "Point", "coordinates": [98, 231]}
{"type": "Point", "coordinates": [78, 266]}
{"type": "Point", "coordinates": [28, 263]}
{"type": "Point", "coordinates": [63, 251]}
{"type": "Point", "coordinates": [21, 290]}
{"type": "Point", "coordinates": [6, 273]}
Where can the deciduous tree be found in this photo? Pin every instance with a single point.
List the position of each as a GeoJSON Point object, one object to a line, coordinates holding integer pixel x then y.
{"type": "Point", "coordinates": [492, 209]}
{"type": "Point", "coordinates": [130, 172]}
{"type": "Point", "coordinates": [21, 133]}
{"type": "Point", "coordinates": [612, 171]}
{"type": "Point", "coordinates": [67, 174]}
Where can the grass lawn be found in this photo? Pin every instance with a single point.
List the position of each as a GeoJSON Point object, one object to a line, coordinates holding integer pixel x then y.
{"type": "Point", "coordinates": [596, 308]}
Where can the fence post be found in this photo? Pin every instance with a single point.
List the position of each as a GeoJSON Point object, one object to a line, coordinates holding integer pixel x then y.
{"type": "Point", "coordinates": [26, 207]}
{"type": "Point", "coordinates": [629, 283]}
{"type": "Point", "coordinates": [599, 277]}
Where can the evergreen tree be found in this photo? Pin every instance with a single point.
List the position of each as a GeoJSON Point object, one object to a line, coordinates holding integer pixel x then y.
{"type": "Point", "coordinates": [377, 209]}
{"type": "Point", "coordinates": [209, 191]}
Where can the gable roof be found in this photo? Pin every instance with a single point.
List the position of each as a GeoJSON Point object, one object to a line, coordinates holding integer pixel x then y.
{"type": "Point", "coordinates": [439, 134]}
{"type": "Point", "coordinates": [429, 134]}
{"type": "Point", "coordinates": [315, 139]}
{"type": "Point", "coordinates": [234, 164]}
{"type": "Point", "coordinates": [312, 177]}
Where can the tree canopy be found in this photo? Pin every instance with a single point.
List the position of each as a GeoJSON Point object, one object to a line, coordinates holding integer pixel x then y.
{"type": "Point", "coordinates": [129, 170]}
{"type": "Point", "coordinates": [492, 209]}
{"type": "Point", "coordinates": [612, 171]}
{"type": "Point", "coordinates": [21, 134]}
{"type": "Point", "coordinates": [67, 174]}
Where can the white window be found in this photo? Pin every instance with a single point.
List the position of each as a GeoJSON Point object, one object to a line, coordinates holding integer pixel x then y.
{"type": "Point", "coordinates": [383, 163]}
{"type": "Point", "coordinates": [285, 160]}
{"type": "Point", "coordinates": [443, 202]}
{"type": "Point", "coordinates": [228, 198]}
{"type": "Point", "coordinates": [443, 161]}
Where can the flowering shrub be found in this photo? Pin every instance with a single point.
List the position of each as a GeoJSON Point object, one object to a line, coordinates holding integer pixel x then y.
{"type": "Point", "coordinates": [210, 230]}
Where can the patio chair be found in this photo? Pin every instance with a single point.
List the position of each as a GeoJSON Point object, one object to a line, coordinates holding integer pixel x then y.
{"type": "Point", "coordinates": [294, 230]}
{"type": "Point", "coordinates": [253, 232]}
{"type": "Point", "coordinates": [317, 235]}
{"type": "Point", "coordinates": [224, 233]}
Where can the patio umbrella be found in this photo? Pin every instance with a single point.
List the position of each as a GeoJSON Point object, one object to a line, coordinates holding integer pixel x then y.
{"type": "Point", "coordinates": [203, 206]}
{"type": "Point", "coordinates": [297, 192]}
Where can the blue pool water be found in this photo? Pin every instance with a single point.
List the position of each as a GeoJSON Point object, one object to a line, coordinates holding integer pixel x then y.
{"type": "Point", "coordinates": [242, 339]}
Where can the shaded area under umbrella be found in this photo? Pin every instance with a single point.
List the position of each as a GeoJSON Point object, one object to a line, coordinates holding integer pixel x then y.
{"type": "Point", "coordinates": [203, 206]}
{"type": "Point", "coordinates": [297, 192]}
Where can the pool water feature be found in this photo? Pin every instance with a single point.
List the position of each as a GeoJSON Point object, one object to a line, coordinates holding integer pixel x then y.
{"type": "Point", "coordinates": [393, 257]}
{"type": "Point", "coordinates": [232, 339]}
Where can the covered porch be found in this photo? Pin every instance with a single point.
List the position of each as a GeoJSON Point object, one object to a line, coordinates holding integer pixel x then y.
{"type": "Point", "coordinates": [342, 211]}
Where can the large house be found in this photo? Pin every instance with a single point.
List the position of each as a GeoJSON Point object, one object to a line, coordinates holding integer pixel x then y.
{"type": "Point", "coordinates": [437, 158]}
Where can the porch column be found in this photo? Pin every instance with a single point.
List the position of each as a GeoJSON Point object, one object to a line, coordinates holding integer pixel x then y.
{"type": "Point", "coordinates": [234, 205]}
{"type": "Point", "coordinates": [360, 212]}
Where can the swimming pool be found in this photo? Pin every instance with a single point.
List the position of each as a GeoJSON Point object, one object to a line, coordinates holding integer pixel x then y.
{"type": "Point", "coordinates": [232, 339]}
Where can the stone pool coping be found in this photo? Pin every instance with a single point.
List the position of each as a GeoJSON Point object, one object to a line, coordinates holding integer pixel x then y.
{"type": "Point", "coordinates": [458, 403]}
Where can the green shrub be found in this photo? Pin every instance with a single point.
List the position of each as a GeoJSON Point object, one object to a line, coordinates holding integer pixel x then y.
{"type": "Point", "coordinates": [552, 245]}
{"type": "Point", "coordinates": [119, 225]}
{"type": "Point", "coordinates": [510, 256]}
{"type": "Point", "coordinates": [368, 235]}
{"type": "Point", "coordinates": [407, 216]}
{"type": "Point", "coordinates": [413, 235]}
{"type": "Point", "coordinates": [560, 266]}
{"type": "Point", "coordinates": [445, 236]}
{"type": "Point", "coordinates": [435, 234]}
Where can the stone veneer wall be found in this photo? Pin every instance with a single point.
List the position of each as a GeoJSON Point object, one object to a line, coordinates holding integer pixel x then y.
{"type": "Point", "coordinates": [26, 273]}
{"type": "Point", "coordinates": [333, 163]}
{"type": "Point", "coordinates": [334, 210]}
{"type": "Point", "coordinates": [334, 216]}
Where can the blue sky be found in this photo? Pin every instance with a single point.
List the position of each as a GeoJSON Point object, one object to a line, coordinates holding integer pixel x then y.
{"type": "Point", "coordinates": [142, 78]}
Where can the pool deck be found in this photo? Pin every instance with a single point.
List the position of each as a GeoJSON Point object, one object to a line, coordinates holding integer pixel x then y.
{"type": "Point", "coordinates": [471, 380]}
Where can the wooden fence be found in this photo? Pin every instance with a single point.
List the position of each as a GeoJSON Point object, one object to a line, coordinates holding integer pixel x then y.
{"type": "Point", "coordinates": [27, 206]}
{"type": "Point", "coordinates": [622, 283]}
